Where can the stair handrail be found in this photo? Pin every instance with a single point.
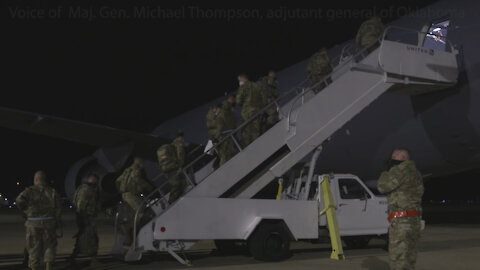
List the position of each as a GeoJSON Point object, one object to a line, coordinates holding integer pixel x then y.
{"type": "Point", "coordinates": [328, 76]}
{"type": "Point", "coordinates": [238, 128]}
{"type": "Point", "coordinates": [275, 102]}
{"type": "Point", "coordinates": [261, 111]}
{"type": "Point", "coordinates": [146, 199]}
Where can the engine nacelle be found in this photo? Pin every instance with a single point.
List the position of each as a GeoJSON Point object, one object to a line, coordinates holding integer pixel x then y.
{"type": "Point", "coordinates": [77, 174]}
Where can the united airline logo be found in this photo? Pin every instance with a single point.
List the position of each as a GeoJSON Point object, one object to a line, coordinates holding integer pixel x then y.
{"type": "Point", "coordinates": [421, 50]}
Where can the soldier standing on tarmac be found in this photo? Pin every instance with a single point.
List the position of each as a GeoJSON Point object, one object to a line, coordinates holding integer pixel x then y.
{"type": "Point", "coordinates": [403, 185]}
{"type": "Point", "coordinates": [86, 201]}
{"type": "Point", "coordinates": [42, 206]}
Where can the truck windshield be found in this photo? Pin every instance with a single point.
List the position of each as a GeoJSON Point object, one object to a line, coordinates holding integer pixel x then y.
{"type": "Point", "coordinates": [351, 189]}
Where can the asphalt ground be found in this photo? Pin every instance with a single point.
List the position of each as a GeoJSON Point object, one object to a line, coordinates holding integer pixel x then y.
{"type": "Point", "coordinates": [442, 246]}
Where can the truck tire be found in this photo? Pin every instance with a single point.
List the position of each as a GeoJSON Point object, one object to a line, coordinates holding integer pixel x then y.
{"type": "Point", "coordinates": [356, 241]}
{"type": "Point", "coordinates": [270, 242]}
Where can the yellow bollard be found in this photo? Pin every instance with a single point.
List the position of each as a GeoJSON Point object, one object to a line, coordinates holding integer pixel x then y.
{"type": "Point", "coordinates": [330, 209]}
{"type": "Point", "coordinates": [280, 188]}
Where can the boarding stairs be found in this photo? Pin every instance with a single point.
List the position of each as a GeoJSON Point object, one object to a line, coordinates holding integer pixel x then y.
{"type": "Point", "coordinates": [306, 121]}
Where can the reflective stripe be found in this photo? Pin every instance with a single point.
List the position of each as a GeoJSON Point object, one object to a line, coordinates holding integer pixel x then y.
{"type": "Point", "coordinates": [39, 218]}
{"type": "Point", "coordinates": [411, 213]}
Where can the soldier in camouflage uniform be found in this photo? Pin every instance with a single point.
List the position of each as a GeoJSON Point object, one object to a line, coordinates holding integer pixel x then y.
{"type": "Point", "coordinates": [131, 184]}
{"type": "Point", "coordinates": [318, 67]}
{"type": "Point", "coordinates": [211, 117]}
{"type": "Point", "coordinates": [252, 99]}
{"type": "Point", "coordinates": [86, 201]}
{"type": "Point", "coordinates": [369, 31]}
{"type": "Point", "coordinates": [226, 123]}
{"type": "Point", "coordinates": [175, 176]}
{"type": "Point", "coordinates": [42, 206]}
{"type": "Point", "coordinates": [269, 85]}
{"type": "Point", "coordinates": [171, 158]}
{"type": "Point", "coordinates": [403, 185]}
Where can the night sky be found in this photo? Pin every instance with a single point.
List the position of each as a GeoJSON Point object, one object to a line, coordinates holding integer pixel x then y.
{"type": "Point", "coordinates": [108, 63]}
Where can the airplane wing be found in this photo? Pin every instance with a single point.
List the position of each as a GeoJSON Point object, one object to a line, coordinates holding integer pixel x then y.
{"type": "Point", "coordinates": [77, 131]}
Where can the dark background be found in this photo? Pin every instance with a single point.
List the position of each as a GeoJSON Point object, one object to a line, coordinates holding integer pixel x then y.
{"type": "Point", "coordinates": [135, 73]}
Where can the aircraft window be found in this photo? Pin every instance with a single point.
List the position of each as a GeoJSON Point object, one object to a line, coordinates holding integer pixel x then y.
{"type": "Point", "coordinates": [436, 36]}
{"type": "Point", "coordinates": [351, 189]}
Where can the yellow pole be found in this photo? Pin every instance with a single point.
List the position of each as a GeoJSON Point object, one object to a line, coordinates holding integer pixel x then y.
{"type": "Point", "coordinates": [330, 209]}
{"type": "Point", "coordinates": [280, 188]}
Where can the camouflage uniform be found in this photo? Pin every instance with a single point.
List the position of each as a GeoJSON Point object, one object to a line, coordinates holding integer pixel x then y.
{"type": "Point", "coordinates": [270, 87]}
{"type": "Point", "coordinates": [227, 122]}
{"type": "Point", "coordinates": [42, 206]}
{"type": "Point", "coordinates": [174, 175]}
{"type": "Point", "coordinates": [212, 122]}
{"type": "Point", "coordinates": [86, 201]}
{"type": "Point", "coordinates": [252, 99]}
{"type": "Point", "coordinates": [318, 67]}
{"type": "Point", "coordinates": [131, 184]}
{"type": "Point", "coordinates": [212, 127]}
{"type": "Point", "coordinates": [369, 31]}
{"type": "Point", "coordinates": [404, 186]}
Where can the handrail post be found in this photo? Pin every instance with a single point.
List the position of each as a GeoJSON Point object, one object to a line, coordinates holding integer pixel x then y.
{"type": "Point", "coordinates": [236, 143]}
{"type": "Point", "coordinates": [190, 182]}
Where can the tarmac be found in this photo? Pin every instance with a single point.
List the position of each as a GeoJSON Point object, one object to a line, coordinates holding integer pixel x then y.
{"type": "Point", "coordinates": [442, 246]}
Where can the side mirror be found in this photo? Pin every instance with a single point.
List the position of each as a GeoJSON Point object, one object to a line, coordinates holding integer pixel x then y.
{"type": "Point", "coordinates": [365, 197]}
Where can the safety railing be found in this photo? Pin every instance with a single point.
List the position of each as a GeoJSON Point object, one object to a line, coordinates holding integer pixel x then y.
{"type": "Point", "coordinates": [146, 202]}
{"type": "Point", "coordinates": [232, 135]}
{"type": "Point", "coordinates": [294, 93]}
{"type": "Point", "coordinates": [344, 59]}
{"type": "Point", "coordinates": [348, 55]}
{"type": "Point", "coordinates": [299, 92]}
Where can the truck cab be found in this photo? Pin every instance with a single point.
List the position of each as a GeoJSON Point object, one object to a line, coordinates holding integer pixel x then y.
{"type": "Point", "coordinates": [359, 210]}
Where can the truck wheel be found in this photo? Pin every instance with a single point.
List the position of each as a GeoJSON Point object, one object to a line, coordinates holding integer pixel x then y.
{"type": "Point", "coordinates": [270, 242]}
{"type": "Point", "coordinates": [356, 241]}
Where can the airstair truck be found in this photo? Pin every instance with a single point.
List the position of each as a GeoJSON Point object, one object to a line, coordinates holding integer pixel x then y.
{"type": "Point", "coordinates": [221, 204]}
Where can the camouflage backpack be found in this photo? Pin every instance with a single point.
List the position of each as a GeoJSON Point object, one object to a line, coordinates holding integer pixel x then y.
{"type": "Point", "coordinates": [121, 182]}
{"type": "Point", "coordinates": [167, 158]}
{"type": "Point", "coordinates": [124, 182]}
